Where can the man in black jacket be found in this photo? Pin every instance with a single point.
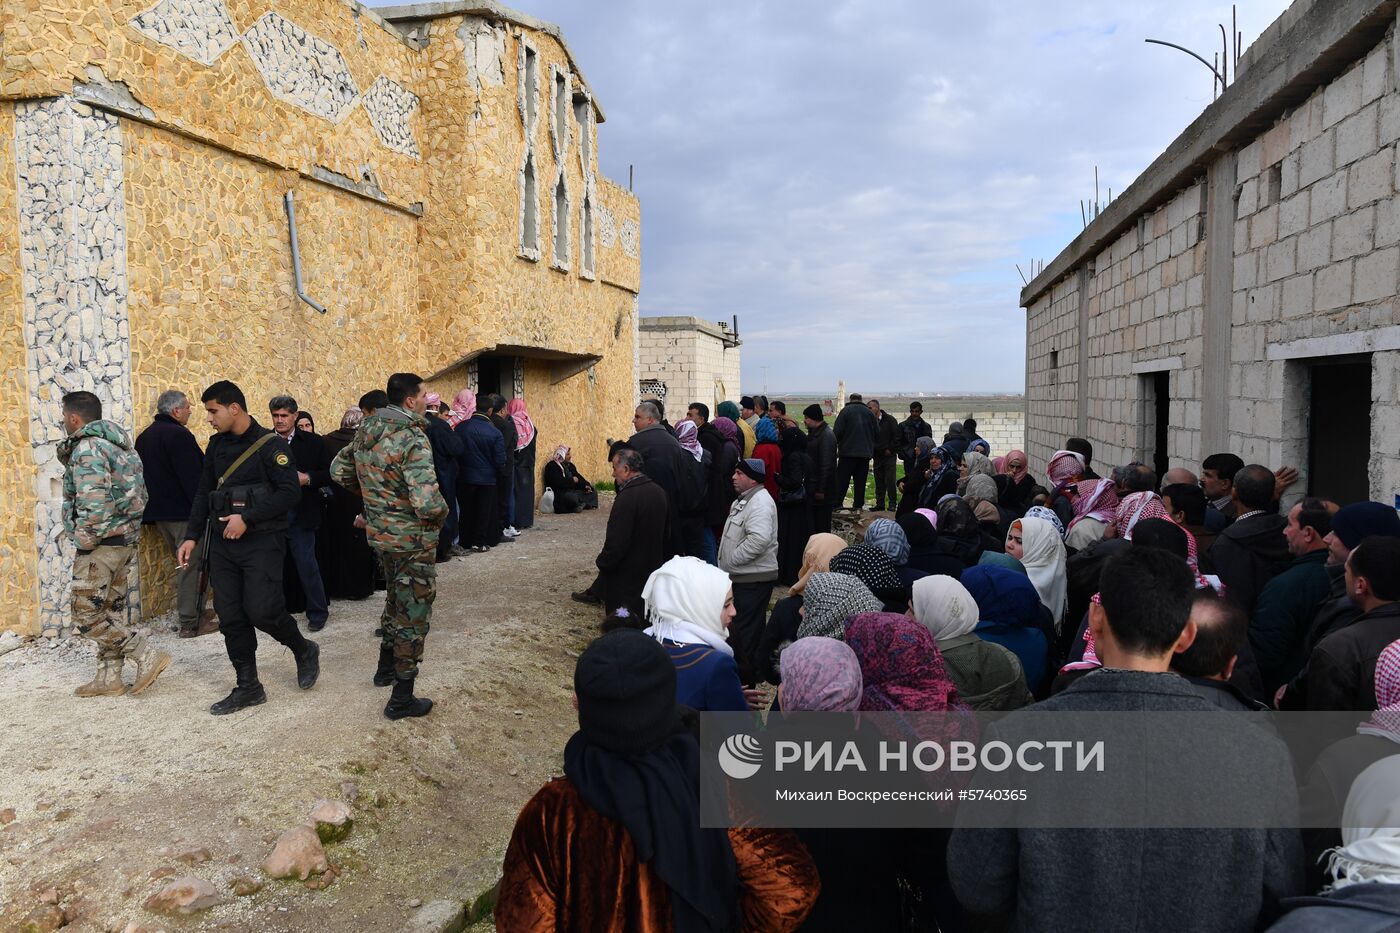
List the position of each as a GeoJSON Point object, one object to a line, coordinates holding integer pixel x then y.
{"type": "Point", "coordinates": [248, 498]}
{"type": "Point", "coordinates": [171, 461]}
{"type": "Point", "coordinates": [1253, 550]}
{"type": "Point", "coordinates": [1221, 631]}
{"type": "Point", "coordinates": [1341, 673]}
{"type": "Point", "coordinates": [886, 453]}
{"type": "Point", "coordinates": [662, 461]}
{"type": "Point", "coordinates": [821, 470]}
{"type": "Point", "coordinates": [447, 447]}
{"type": "Point", "coordinates": [313, 466]}
{"type": "Point", "coordinates": [855, 443]}
{"type": "Point", "coordinates": [910, 430]}
{"type": "Point", "coordinates": [637, 535]}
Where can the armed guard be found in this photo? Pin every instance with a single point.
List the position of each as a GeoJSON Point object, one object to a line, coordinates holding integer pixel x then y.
{"type": "Point", "coordinates": [248, 486]}
{"type": "Point", "coordinates": [104, 496]}
{"type": "Point", "coordinates": [390, 464]}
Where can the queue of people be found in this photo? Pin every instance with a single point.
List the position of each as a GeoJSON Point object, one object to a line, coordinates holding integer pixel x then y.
{"type": "Point", "coordinates": [991, 591]}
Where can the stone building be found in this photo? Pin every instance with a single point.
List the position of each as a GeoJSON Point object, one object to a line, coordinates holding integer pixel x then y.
{"type": "Point", "coordinates": [441, 164]}
{"type": "Point", "coordinates": [1241, 294]}
{"type": "Point", "coordinates": [684, 359]}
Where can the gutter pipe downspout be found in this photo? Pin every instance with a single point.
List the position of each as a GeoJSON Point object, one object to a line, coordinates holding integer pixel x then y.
{"type": "Point", "coordinates": [296, 256]}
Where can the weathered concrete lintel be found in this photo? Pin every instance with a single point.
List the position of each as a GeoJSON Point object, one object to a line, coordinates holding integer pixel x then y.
{"type": "Point", "coordinates": [1165, 364]}
{"type": "Point", "coordinates": [1361, 341]}
{"type": "Point", "coordinates": [560, 358]}
{"type": "Point", "coordinates": [377, 17]}
{"type": "Point", "coordinates": [406, 16]}
{"type": "Point", "coordinates": [366, 190]}
{"type": "Point", "coordinates": [1322, 43]}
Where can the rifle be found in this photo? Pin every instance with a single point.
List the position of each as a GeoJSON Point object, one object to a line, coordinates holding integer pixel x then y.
{"type": "Point", "coordinates": [201, 557]}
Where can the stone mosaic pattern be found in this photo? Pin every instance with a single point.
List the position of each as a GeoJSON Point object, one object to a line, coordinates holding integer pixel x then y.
{"type": "Point", "coordinates": [199, 29]}
{"type": "Point", "coordinates": [630, 236]}
{"type": "Point", "coordinates": [390, 105]}
{"type": "Point", "coordinates": [69, 170]}
{"type": "Point", "coordinates": [607, 228]}
{"type": "Point", "coordinates": [300, 68]}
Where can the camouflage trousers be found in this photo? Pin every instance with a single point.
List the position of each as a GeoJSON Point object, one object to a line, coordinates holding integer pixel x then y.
{"type": "Point", "coordinates": [100, 582]}
{"type": "Point", "coordinates": [410, 579]}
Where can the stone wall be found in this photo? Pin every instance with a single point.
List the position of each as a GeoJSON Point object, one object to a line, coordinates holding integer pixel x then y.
{"type": "Point", "coordinates": [686, 360]}
{"type": "Point", "coordinates": [145, 158]}
{"type": "Point", "coordinates": [1282, 250]}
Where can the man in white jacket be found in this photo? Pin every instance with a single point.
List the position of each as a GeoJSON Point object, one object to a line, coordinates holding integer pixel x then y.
{"type": "Point", "coordinates": [748, 552]}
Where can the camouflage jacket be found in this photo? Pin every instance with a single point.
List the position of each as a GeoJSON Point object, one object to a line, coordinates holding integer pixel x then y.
{"type": "Point", "coordinates": [390, 465]}
{"type": "Point", "coordinates": [104, 489]}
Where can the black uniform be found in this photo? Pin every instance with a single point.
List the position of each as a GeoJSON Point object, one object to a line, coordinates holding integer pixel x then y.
{"type": "Point", "coordinates": [247, 573]}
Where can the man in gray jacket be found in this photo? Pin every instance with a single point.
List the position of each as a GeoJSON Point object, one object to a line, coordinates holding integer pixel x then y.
{"type": "Point", "coordinates": [1150, 880]}
{"type": "Point", "coordinates": [748, 552]}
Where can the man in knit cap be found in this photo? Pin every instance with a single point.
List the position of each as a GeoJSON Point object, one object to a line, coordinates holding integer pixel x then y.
{"type": "Point", "coordinates": [748, 552]}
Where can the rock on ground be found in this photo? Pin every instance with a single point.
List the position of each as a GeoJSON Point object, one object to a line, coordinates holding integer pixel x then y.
{"type": "Point", "coordinates": [298, 854]}
{"type": "Point", "coordinates": [438, 917]}
{"type": "Point", "coordinates": [332, 819]}
{"type": "Point", "coordinates": [185, 895]}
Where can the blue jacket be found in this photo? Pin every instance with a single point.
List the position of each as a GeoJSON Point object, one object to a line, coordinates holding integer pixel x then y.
{"type": "Point", "coordinates": [706, 680]}
{"type": "Point", "coordinates": [1009, 607]}
{"type": "Point", "coordinates": [483, 458]}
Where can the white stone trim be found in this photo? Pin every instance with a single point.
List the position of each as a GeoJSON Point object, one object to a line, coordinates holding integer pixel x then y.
{"type": "Point", "coordinates": [300, 68]}
{"type": "Point", "coordinates": [560, 259]}
{"type": "Point", "coordinates": [1362, 341]}
{"type": "Point", "coordinates": [390, 106]}
{"type": "Point", "coordinates": [201, 30]}
{"type": "Point", "coordinates": [561, 108]}
{"type": "Point", "coordinates": [1166, 364]}
{"type": "Point", "coordinates": [69, 165]}
{"type": "Point", "coordinates": [629, 234]}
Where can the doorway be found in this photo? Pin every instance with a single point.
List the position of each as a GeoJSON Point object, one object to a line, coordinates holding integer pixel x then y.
{"type": "Point", "coordinates": [1156, 407]}
{"type": "Point", "coordinates": [1339, 429]}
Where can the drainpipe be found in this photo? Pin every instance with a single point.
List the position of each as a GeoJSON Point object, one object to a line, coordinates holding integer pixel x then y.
{"type": "Point", "coordinates": [296, 256]}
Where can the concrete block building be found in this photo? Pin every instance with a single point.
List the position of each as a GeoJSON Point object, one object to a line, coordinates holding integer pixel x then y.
{"type": "Point", "coordinates": [1241, 295]}
{"type": "Point", "coordinates": [684, 359]}
{"type": "Point", "coordinates": [441, 164]}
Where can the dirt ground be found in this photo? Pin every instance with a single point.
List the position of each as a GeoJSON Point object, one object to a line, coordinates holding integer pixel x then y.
{"type": "Point", "coordinates": [113, 794]}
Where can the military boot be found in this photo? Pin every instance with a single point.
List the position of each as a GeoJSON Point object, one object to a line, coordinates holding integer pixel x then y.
{"type": "Point", "coordinates": [404, 704]}
{"type": "Point", "coordinates": [149, 662]}
{"type": "Point", "coordinates": [248, 692]}
{"type": "Point", "coordinates": [107, 683]}
{"type": "Point", "coordinates": [384, 674]}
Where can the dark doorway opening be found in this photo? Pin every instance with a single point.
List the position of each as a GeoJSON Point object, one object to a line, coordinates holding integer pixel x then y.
{"type": "Point", "coordinates": [491, 373]}
{"type": "Point", "coordinates": [1339, 429]}
{"type": "Point", "coordinates": [1157, 404]}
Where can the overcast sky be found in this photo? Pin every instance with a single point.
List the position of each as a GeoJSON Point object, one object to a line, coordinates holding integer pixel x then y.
{"type": "Point", "coordinates": [856, 180]}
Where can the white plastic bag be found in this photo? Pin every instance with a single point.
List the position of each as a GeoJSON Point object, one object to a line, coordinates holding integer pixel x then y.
{"type": "Point", "coordinates": [547, 502]}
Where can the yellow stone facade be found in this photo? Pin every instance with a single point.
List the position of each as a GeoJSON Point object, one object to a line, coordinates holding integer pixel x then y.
{"type": "Point", "coordinates": [404, 161]}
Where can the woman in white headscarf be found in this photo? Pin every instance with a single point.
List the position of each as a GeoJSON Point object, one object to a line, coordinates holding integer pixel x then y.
{"type": "Point", "coordinates": [1037, 545]}
{"type": "Point", "coordinates": [1364, 893]}
{"type": "Point", "coordinates": [690, 605]}
{"type": "Point", "coordinates": [988, 676]}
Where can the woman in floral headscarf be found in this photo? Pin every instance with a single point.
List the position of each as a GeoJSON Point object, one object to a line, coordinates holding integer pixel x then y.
{"type": "Point", "coordinates": [829, 600]}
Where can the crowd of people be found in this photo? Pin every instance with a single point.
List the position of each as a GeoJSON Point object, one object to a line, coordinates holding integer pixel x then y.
{"type": "Point", "coordinates": [284, 520]}
{"type": "Point", "coordinates": [983, 586]}
{"type": "Point", "coordinates": [990, 587]}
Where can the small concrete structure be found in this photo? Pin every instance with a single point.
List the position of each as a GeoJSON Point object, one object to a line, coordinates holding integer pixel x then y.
{"type": "Point", "coordinates": [1241, 294]}
{"type": "Point", "coordinates": [685, 359]}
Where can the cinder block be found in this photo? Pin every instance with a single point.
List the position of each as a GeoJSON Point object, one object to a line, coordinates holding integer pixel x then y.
{"type": "Point", "coordinates": [1371, 179]}
{"type": "Point", "coordinates": [1353, 234]}
{"type": "Point", "coordinates": [1332, 287]}
{"type": "Point", "coordinates": [1279, 260]}
{"type": "Point", "coordinates": [1296, 298]}
{"type": "Point", "coordinates": [1293, 215]}
{"type": "Point", "coordinates": [1356, 136]}
{"type": "Point", "coordinates": [1342, 97]}
{"type": "Point", "coordinates": [1329, 198]}
{"type": "Point", "coordinates": [1314, 249]}
{"type": "Point", "coordinates": [1316, 159]}
{"type": "Point", "coordinates": [1376, 275]}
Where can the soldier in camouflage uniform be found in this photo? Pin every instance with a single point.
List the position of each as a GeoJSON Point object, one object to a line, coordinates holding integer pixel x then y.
{"type": "Point", "coordinates": [390, 464]}
{"type": "Point", "coordinates": [104, 495]}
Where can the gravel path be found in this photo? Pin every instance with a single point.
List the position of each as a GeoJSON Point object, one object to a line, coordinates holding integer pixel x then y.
{"type": "Point", "coordinates": [112, 794]}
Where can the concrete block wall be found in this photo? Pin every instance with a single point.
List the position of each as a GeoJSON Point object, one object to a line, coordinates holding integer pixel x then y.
{"type": "Point", "coordinates": [1317, 259]}
{"type": "Point", "coordinates": [1052, 371]}
{"type": "Point", "coordinates": [689, 361]}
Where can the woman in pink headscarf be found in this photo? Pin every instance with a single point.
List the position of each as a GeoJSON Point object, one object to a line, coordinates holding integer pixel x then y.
{"type": "Point", "coordinates": [525, 436]}
{"type": "Point", "coordinates": [1017, 489]}
{"type": "Point", "coordinates": [463, 407]}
